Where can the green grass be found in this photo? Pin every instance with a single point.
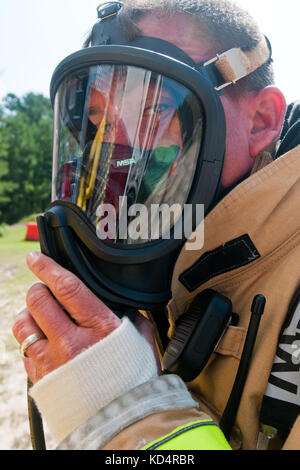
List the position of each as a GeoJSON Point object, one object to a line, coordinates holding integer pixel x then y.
{"type": "Point", "coordinates": [15, 278]}
{"type": "Point", "coordinates": [13, 251]}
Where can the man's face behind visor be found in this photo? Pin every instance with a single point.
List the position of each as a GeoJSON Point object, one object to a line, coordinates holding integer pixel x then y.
{"type": "Point", "coordinates": [142, 116]}
{"type": "Point", "coordinates": [124, 131]}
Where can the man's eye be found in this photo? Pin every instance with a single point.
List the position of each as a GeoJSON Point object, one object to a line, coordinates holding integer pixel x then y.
{"type": "Point", "coordinates": [156, 109]}
{"type": "Point", "coordinates": [93, 111]}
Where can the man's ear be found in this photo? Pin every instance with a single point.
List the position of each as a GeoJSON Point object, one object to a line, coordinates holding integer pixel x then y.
{"type": "Point", "coordinates": [268, 111]}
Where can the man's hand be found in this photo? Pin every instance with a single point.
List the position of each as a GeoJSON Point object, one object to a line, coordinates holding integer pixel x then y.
{"type": "Point", "coordinates": [89, 319]}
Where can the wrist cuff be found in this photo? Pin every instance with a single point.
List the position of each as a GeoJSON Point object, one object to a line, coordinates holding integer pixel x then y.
{"type": "Point", "coordinates": [77, 390]}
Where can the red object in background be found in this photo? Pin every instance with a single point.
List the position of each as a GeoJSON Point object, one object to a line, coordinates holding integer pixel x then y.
{"type": "Point", "coordinates": [32, 233]}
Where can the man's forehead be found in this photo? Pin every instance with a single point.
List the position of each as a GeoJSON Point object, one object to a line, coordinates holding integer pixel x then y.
{"type": "Point", "coordinates": [181, 30]}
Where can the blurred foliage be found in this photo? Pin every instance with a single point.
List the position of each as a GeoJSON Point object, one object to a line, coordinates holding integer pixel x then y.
{"type": "Point", "coordinates": [26, 131]}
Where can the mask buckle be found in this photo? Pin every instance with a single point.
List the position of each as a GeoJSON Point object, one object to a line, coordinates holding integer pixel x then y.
{"type": "Point", "coordinates": [213, 61]}
{"type": "Point", "coordinates": [108, 9]}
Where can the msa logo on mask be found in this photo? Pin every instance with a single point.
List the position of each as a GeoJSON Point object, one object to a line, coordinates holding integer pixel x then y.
{"type": "Point", "coordinates": [124, 163]}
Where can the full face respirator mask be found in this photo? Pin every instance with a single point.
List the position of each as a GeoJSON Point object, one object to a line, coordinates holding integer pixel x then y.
{"type": "Point", "coordinates": [139, 128]}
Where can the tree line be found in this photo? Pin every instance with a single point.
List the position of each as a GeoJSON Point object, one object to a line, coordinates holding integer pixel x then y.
{"type": "Point", "coordinates": [26, 133]}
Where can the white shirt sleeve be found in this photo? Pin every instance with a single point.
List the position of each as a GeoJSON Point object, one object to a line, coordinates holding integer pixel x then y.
{"type": "Point", "coordinates": [73, 393]}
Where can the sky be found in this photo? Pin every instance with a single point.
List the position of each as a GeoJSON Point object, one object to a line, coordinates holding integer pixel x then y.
{"type": "Point", "coordinates": [35, 35]}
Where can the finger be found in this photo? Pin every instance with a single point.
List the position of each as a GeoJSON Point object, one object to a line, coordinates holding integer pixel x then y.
{"type": "Point", "coordinates": [78, 300]}
{"type": "Point", "coordinates": [31, 370]}
{"type": "Point", "coordinates": [47, 313]}
{"type": "Point", "coordinates": [24, 326]}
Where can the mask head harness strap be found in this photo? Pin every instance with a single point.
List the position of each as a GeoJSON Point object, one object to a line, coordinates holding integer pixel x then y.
{"type": "Point", "coordinates": [105, 31]}
{"type": "Point", "coordinates": [235, 64]}
{"type": "Point", "coordinates": [223, 70]}
{"type": "Point", "coordinates": [108, 31]}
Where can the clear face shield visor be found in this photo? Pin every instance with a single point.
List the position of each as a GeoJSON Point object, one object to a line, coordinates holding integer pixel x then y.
{"type": "Point", "coordinates": [127, 141]}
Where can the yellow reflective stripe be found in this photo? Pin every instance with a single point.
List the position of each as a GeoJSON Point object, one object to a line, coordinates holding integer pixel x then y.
{"type": "Point", "coordinates": [198, 435]}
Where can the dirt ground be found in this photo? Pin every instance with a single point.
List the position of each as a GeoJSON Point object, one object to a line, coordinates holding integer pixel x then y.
{"type": "Point", "coordinates": [14, 427]}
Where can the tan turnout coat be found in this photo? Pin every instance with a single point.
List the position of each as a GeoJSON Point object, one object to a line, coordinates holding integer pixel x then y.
{"type": "Point", "coordinates": [266, 207]}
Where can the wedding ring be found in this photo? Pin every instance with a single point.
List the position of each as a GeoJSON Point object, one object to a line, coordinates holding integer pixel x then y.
{"type": "Point", "coordinates": [29, 341]}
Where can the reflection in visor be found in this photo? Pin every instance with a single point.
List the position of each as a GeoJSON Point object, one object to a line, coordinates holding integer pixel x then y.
{"type": "Point", "coordinates": [87, 182]}
{"type": "Point", "coordinates": [124, 131]}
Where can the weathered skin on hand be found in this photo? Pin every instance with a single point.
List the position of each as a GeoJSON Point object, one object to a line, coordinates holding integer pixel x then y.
{"type": "Point", "coordinates": [88, 319]}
